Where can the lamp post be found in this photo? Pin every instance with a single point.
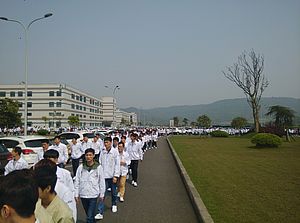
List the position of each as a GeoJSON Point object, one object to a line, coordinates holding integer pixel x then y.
{"type": "Point", "coordinates": [26, 29]}
{"type": "Point", "coordinates": [117, 87]}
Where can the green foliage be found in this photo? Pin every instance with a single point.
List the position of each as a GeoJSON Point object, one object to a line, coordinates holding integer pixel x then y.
{"type": "Point", "coordinates": [219, 133]}
{"type": "Point", "coordinates": [42, 132]}
{"type": "Point", "coordinates": [9, 116]}
{"type": "Point", "coordinates": [176, 121]}
{"type": "Point", "coordinates": [266, 140]}
{"type": "Point", "coordinates": [238, 122]}
{"type": "Point", "coordinates": [204, 121]}
{"type": "Point", "coordinates": [185, 121]}
{"type": "Point", "coordinates": [283, 115]}
{"type": "Point", "coordinates": [73, 120]}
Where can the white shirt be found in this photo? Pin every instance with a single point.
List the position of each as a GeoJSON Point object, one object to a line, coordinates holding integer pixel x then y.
{"type": "Point", "coordinates": [64, 176]}
{"type": "Point", "coordinates": [135, 151]}
{"type": "Point", "coordinates": [96, 147]}
{"type": "Point", "coordinates": [15, 165]}
{"type": "Point", "coordinates": [62, 150]}
{"type": "Point", "coordinates": [89, 184]}
{"type": "Point", "coordinates": [67, 196]}
{"type": "Point", "coordinates": [85, 145]}
{"type": "Point", "coordinates": [76, 151]}
{"type": "Point", "coordinates": [110, 162]}
{"type": "Point", "coordinates": [124, 157]}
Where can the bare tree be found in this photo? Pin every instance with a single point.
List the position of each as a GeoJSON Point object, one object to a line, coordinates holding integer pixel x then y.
{"type": "Point", "coordinates": [248, 75]}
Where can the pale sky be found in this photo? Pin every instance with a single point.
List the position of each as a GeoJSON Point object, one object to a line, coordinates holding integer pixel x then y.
{"type": "Point", "coordinates": [160, 52]}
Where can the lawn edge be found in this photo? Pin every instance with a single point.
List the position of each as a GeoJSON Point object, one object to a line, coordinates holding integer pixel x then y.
{"type": "Point", "coordinates": [199, 206]}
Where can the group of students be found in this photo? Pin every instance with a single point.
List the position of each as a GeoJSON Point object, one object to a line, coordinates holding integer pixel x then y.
{"type": "Point", "coordinates": [98, 166]}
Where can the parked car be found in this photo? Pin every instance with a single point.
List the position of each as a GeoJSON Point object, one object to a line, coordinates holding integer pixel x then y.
{"type": "Point", "coordinates": [30, 145]}
{"type": "Point", "coordinates": [5, 156]}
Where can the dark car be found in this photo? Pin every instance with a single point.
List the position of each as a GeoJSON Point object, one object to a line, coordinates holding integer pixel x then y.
{"type": "Point", "coordinates": [5, 156]}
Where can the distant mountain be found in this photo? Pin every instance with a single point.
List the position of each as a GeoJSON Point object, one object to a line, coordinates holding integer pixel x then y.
{"type": "Point", "coordinates": [220, 112]}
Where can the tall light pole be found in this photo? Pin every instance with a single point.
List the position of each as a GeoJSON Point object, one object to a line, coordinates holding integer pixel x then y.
{"type": "Point", "coordinates": [117, 87]}
{"type": "Point", "coordinates": [26, 30]}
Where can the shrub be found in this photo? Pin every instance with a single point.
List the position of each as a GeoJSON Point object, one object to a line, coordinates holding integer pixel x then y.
{"type": "Point", "coordinates": [266, 140]}
{"type": "Point", "coordinates": [219, 133]}
{"type": "Point", "coordinates": [42, 132]}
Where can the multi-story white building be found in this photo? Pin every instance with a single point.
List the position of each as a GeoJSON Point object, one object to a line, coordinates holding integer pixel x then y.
{"type": "Point", "coordinates": [109, 111]}
{"type": "Point", "coordinates": [50, 105]}
{"type": "Point", "coordinates": [126, 118]}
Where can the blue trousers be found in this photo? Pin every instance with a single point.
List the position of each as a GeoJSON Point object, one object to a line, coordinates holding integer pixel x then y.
{"type": "Point", "coordinates": [89, 205]}
{"type": "Point", "coordinates": [109, 184]}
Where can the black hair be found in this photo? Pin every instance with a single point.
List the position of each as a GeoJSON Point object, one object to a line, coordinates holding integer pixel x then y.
{"type": "Point", "coordinates": [57, 137]}
{"type": "Point", "coordinates": [45, 141]}
{"type": "Point", "coordinates": [51, 153]}
{"type": "Point", "coordinates": [89, 150]}
{"type": "Point", "coordinates": [107, 139]}
{"type": "Point", "coordinates": [121, 143]}
{"type": "Point", "coordinates": [19, 190]}
{"type": "Point", "coordinates": [18, 150]}
{"type": "Point", "coordinates": [123, 137]}
{"type": "Point", "coordinates": [116, 139]}
{"type": "Point", "coordinates": [45, 174]}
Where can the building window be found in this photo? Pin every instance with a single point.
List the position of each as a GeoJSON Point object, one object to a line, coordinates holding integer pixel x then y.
{"type": "Point", "coordinates": [12, 94]}
{"type": "Point", "coordinates": [77, 97]}
{"type": "Point", "coordinates": [58, 93]}
{"type": "Point", "coordinates": [72, 96]}
{"type": "Point", "coordinates": [84, 116]}
{"type": "Point", "coordinates": [84, 99]}
{"type": "Point", "coordinates": [20, 104]}
{"type": "Point", "coordinates": [20, 93]}
{"type": "Point", "coordinates": [80, 108]}
{"type": "Point", "coordinates": [72, 106]}
{"type": "Point", "coordinates": [2, 93]}
{"type": "Point", "coordinates": [29, 104]}
{"type": "Point", "coordinates": [51, 93]}
{"type": "Point", "coordinates": [58, 104]}
{"type": "Point", "coordinates": [51, 114]}
{"type": "Point", "coordinates": [84, 108]}
{"type": "Point", "coordinates": [29, 114]}
{"type": "Point", "coordinates": [77, 107]}
{"type": "Point", "coordinates": [51, 104]}
{"type": "Point", "coordinates": [80, 98]}
{"type": "Point", "coordinates": [29, 93]}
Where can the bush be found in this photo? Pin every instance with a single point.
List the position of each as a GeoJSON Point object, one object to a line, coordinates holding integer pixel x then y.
{"type": "Point", "coordinates": [219, 133]}
{"type": "Point", "coordinates": [266, 140]}
{"type": "Point", "coordinates": [42, 132]}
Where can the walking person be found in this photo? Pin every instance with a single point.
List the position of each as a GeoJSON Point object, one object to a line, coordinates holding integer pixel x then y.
{"type": "Point", "coordinates": [45, 147]}
{"type": "Point", "coordinates": [62, 150]}
{"type": "Point", "coordinates": [90, 185]}
{"type": "Point", "coordinates": [110, 162]}
{"type": "Point", "coordinates": [17, 163]}
{"type": "Point", "coordinates": [136, 154]}
{"type": "Point", "coordinates": [124, 162]}
{"type": "Point", "coordinates": [75, 155]}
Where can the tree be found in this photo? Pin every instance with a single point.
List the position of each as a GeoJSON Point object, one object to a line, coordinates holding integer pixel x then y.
{"type": "Point", "coordinates": [204, 121]}
{"type": "Point", "coordinates": [73, 120]}
{"type": "Point", "coordinates": [45, 119]}
{"type": "Point", "coordinates": [9, 116]}
{"type": "Point", "coordinates": [193, 124]}
{"type": "Point", "coordinates": [238, 122]}
{"type": "Point", "coordinates": [283, 117]}
{"type": "Point", "coordinates": [176, 121]}
{"type": "Point", "coordinates": [248, 75]}
{"type": "Point", "coordinates": [185, 121]}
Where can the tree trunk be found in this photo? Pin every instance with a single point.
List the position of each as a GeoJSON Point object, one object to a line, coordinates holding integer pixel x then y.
{"type": "Point", "coordinates": [255, 113]}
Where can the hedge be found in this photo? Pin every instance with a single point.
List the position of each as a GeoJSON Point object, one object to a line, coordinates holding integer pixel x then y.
{"type": "Point", "coordinates": [266, 140]}
{"type": "Point", "coordinates": [219, 133]}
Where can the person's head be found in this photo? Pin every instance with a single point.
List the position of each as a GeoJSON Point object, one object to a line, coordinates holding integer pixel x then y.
{"type": "Point", "coordinates": [85, 138]}
{"type": "Point", "coordinates": [107, 142]}
{"type": "Point", "coordinates": [52, 155]}
{"type": "Point", "coordinates": [133, 137]}
{"type": "Point", "coordinates": [74, 141]}
{"type": "Point", "coordinates": [18, 196]}
{"type": "Point", "coordinates": [45, 144]}
{"type": "Point", "coordinates": [115, 141]}
{"type": "Point", "coordinates": [45, 177]}
{"type": "Point", "coordinates": [89, 154]}
{"type": "Point", "coordinates": [95, 139]}
{"type": "Point", "coordinates": [121, 147]}
{"type": "Point", "coordinates": [16, 152]}
{"type": "Point", "coordinates": [57, 140]}
{"type": "Point", "coordinates": [123, 139]}
{"type": "Point", "coordinates": [98, 135]}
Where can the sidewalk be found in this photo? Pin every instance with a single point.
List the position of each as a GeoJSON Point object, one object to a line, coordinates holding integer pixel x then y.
{"type": "Point", "coordinates": [159, 197]}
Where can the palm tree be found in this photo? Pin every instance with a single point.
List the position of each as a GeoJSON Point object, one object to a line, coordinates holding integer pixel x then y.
{"type": "Point", "coordinates": [283, 117]}
{"type": "Point", "coordinates": [185, 121]}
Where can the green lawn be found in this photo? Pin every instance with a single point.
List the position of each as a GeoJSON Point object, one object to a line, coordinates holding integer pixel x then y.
{"type": "Point", "coordinates": [239, 183]}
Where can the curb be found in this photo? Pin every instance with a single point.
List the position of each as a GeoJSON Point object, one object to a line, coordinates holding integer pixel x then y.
{"type": "Point", "coordinates": [199, 206]}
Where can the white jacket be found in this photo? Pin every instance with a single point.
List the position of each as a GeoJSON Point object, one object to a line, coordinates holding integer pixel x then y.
{"type": "Point", "coordinates": [62, 150]}
{"type": "Point", "coordinates": [110, 162]}
{"type": "Point", "coordinates": [15, 165]}
{"type": "Point", "coordinates": [89, 184]}
{"type": "Point", "coordinates": [64, 176]}
{"type": "Point", "coordinates": [135, 151]}
{"type": "Point", "coordinates": [124, 157]}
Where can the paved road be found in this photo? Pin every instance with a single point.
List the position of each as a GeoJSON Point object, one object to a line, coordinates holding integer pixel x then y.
{"type": "Point", "coordinates": [159, 197]}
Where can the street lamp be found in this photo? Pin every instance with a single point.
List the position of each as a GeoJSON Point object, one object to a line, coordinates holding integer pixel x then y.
{"type": "Point", "coordinates": [26, 29]}
{"type": "Point", "coordinates": [117, 87]}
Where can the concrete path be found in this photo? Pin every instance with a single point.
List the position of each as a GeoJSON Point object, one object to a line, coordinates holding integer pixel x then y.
{"type": "Point", "coordinates": [159, 197]}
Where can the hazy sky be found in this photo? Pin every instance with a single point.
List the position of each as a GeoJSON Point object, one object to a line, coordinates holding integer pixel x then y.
{"type": "Point", "coordinates": [160, 52]}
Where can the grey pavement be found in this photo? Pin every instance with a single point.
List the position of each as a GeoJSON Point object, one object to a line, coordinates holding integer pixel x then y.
{"type": "Point", "coordinates": [159, 197]}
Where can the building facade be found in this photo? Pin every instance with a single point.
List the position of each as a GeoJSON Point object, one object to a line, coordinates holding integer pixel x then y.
{"type": "Point", "coordinates": [50, 105]}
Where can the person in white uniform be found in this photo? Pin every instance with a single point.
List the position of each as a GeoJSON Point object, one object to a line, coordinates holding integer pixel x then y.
{"type": "Point", "coordinates": [17, 163]}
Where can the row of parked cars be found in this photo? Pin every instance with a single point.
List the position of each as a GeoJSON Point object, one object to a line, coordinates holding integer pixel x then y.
{"type": "Point", "coordinates": [30, 145]}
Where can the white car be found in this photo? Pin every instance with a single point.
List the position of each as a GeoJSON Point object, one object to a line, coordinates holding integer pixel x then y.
{"type": "Point", "coordinates": [30, 146]}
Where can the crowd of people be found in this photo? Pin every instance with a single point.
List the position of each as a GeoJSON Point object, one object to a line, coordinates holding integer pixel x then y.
{"type": "Point", "coordinates": [99, 168]}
